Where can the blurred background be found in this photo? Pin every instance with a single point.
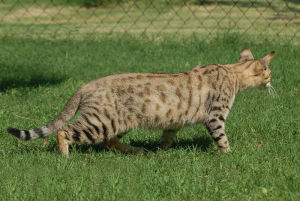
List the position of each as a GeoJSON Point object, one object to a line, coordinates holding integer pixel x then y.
{"type": "Point", "coordinates": [204, 19]}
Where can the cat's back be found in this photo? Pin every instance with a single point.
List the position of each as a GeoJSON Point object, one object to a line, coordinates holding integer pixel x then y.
{"type": "Point", "coordinates": [133, 80]}
{"type": "Point", "coordinates": [162, 84]}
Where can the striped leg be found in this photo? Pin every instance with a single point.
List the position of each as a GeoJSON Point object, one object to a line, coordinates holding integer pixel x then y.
{"type": "Point", "coordinates": [115, 143]}
{"type": "Point", "coordinates": [216, 127]}
{"type": "Point", "coordinates": [81, 133]}
{"type": "Point", "coordinates": [167, 138]}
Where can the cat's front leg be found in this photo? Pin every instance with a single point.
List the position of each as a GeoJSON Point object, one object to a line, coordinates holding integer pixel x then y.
{"type": "Point", "coordinates": [216, 128]}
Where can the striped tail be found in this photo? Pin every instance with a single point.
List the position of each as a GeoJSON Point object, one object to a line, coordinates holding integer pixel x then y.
{"type": "Point", "coordinates": [59, 121]}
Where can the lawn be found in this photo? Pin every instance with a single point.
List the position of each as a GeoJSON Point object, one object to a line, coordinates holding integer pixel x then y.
{"type": "Point", "coordinates": [49, 48]}
{"type": "Point", "coordinates": [203, 19]}
{"type": "Point", "coordinates": [39, 76]}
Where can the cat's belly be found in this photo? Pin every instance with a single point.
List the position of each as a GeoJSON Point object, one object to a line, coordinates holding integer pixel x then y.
{"type": "Point", "coordinates": [168, 125]}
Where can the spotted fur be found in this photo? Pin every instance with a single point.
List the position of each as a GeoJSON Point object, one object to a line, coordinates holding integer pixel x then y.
{"type": "Point", "coordinates": [113, 105]}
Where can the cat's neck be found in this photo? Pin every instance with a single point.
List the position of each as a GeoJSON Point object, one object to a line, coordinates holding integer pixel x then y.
{"type": "Point", "coordinates": [242, 71]}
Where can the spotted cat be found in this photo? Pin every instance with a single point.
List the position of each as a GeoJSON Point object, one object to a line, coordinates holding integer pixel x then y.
{"type": "Point", "coordinates": [113, 105]}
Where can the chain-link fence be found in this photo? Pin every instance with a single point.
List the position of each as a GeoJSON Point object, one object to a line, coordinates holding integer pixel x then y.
{"type": "Point", "coordinates": [79, 19]}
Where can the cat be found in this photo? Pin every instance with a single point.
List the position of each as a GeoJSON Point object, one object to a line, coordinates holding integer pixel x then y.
{"type": "Point", "coordinates": [113, 105]}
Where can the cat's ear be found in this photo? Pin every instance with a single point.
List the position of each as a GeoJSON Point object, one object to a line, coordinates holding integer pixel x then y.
{"type": "Point", "coordinates": [246, 55]}
{"type": "Point", "coordinates": [266, 60]}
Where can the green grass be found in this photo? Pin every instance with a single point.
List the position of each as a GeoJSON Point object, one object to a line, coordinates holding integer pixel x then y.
{"type": "Point", "coordinates": [62, 20]}
{"type": "Point", "coordinates": [39, 76]}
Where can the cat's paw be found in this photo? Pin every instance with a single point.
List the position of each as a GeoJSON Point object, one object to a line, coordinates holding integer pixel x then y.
{"type": "Point", "coordinates": [165, 145]}
{"type": "Point", "coordinates": [225, 149]}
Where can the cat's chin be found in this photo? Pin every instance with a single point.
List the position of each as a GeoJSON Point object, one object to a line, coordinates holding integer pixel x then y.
{"type": "Point", "coordinates": [271, 89]}
{"type": "Point", "coordinates": [265, 86]}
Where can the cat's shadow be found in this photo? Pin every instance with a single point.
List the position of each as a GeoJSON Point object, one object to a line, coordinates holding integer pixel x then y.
{"type": "Point", "coordinates": [201, 143]}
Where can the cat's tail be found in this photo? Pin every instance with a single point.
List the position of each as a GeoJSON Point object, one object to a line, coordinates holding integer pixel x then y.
{"type": "Point", "coordinates": [59, 121]}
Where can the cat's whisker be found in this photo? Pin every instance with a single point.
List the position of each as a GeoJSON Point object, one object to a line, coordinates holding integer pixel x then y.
{"type": "Point", "coordinates": [272, 91]}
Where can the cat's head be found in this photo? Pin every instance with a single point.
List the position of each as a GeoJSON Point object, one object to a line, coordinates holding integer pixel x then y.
{"type": "Point", "coordinates": [257, 72]}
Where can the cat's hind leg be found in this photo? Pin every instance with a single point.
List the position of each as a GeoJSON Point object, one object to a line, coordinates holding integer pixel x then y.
{"type": "Point", "coordinates": [81, 133]}
{"type": "Point", "coordinates": [167, 138]}
{"type": "Point", "coordinates": [63, 142]}
{"type": "Point", "coordinates": [115, 144]}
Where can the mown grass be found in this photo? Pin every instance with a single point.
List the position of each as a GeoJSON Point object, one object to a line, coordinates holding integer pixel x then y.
{"type": "Point", "coordinates": [63, 19]}
{"type": "Point", "coordinates": [39, 76]}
